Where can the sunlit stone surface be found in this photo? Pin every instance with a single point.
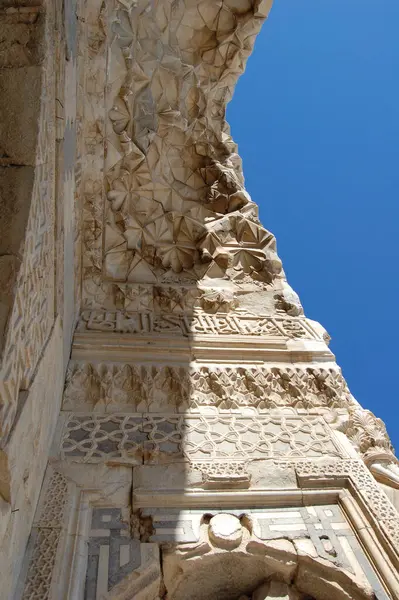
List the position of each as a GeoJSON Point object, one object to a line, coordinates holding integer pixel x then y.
{"type": "Point", "coordinates": [225, 531]}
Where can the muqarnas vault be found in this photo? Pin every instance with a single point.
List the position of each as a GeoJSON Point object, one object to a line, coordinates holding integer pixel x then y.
{"type": "Point", "coordinates": [172, 425]}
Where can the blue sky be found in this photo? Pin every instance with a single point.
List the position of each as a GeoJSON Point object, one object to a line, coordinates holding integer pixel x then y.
{"type": "Point", "coordinates": [316, 118]}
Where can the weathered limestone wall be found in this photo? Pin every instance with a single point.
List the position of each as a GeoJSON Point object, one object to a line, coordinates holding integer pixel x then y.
{"type": "Point", "coordinates": [27, 454]}
{"type": "Point", "coordinates": [27, 141]}
{"type": "Point", "coordinates": [39, 265]}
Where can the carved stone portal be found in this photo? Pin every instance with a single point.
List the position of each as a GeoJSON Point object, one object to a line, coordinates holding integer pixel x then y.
{"type": "Point", "coordinates": [205, 443]}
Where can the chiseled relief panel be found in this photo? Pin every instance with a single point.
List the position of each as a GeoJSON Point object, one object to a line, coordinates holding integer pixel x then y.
{"type": "Point", "coordinates": [27, 248]}
{"type": "Point", "coordinates": [134, 438]}
{"type": "Point", "coordinates": [122, 387]}
{"type": "Point", "coordinates": [42, 551]}
{"type": "Point", "coordinates": [195, 324]}
{"type": "Point", "coordinates": [175, 260]}
{"type": "Point", "coordinates": [84, 541]}
{"type": "Point", "coordinates": [97, 547]}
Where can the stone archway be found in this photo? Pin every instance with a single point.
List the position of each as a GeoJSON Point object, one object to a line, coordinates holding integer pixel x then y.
{"type": "Point", "coordinates": [230, 563]}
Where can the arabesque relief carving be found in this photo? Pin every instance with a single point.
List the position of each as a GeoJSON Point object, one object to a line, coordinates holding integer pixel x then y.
{"type": "Point", "coordinates": [104, 387]}
{"type": "Point", "coordinates": [370, 437]}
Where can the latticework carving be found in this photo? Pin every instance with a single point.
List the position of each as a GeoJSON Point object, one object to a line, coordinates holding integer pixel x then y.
{"type": "Point", "coordinates": [93, 439]}
{"type": "Point", "coordinates": [40, 573]}
{"type": "Point", "coordinates": [45, 538]}
{"type": "Point", "coordinates": [127, 438]}
{"type": "Point", "coordinates": [51, 512]}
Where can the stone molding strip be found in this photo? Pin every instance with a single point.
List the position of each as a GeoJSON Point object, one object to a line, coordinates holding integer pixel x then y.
{"type": "Point", "coordinates": [127, 347]}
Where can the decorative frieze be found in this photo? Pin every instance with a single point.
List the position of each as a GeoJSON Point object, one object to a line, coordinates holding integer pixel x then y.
{"type": "Point", "coordinates": [132, 439]}
{"type": "Point", "coordinates": [109, 387]}
{"type": "Point", "coordinates": [161, 298]}
{"type": "Point", "coordinates": [225, 473]}
{"type": "Point", "coordinates": [145, 323]}
{"type": "Point", "coordinates": [116, 438]}
{"type": "Point", "coordinates": [45, 538]}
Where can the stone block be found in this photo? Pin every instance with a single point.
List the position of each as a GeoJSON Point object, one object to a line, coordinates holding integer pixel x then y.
{"type": "Point", "coordinates": [21, 33]}
{"type": "Point", "coordinates": [176, 477]}
{"type": "Point", "coordinates": [265, 474]}
{"type": "Point", "coordinates": [9, 268]}
{"type": "Point", "coordinates": [16, 186]}
{"type": "Point", "coordinates": [20, 99]}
